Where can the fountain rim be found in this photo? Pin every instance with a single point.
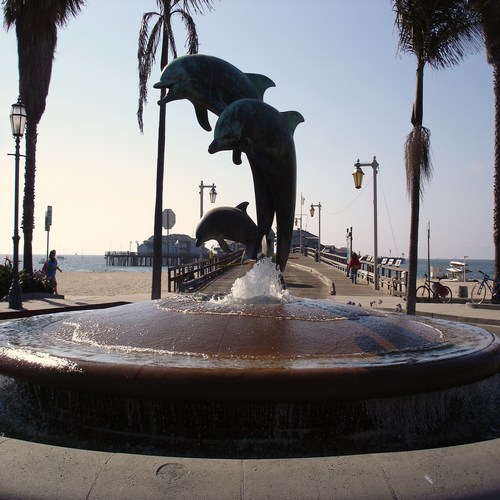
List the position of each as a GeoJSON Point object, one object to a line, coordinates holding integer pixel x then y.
{"type": "Point", "coordinates": [262, 384]}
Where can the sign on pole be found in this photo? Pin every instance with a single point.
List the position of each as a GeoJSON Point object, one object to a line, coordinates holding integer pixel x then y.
{"type": "Point", "coordinates": [168, 219]}
{"type": "Point", "coordinates": [48, 218]}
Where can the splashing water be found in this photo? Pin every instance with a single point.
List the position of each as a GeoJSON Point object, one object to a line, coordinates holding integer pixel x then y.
{"type": "Point", "coordinates": [261, 285]}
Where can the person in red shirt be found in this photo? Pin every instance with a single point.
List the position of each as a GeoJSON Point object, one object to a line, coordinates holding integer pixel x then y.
{"type": "Point", "coordinates": [353, 267]}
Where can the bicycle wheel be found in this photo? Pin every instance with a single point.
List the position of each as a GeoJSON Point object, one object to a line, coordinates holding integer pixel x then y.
{"type": "Point", "coordinates": [445, 295]}
{"type": "Point", "coordinates": [423, 293]}
{"type": "Point", "coordinates": [478, 293]}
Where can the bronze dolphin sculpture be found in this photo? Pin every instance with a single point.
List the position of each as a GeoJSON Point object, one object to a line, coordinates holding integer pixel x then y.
{"type": "Point", "coordinates": [266, 136]}
{"type": "Point", "coordinates": [232, 223]}
{"type": "Point", "coordinates": [210, 84]}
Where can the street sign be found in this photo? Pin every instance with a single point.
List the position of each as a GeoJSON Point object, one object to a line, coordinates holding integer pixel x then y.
{"type": "Point", "coordinates": [168, 219]}
{"type": "Point", "coordinates": [48, 218]}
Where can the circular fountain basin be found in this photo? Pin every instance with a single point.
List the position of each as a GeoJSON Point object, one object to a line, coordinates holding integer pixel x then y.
{"type": "Point", "coordinates": [188, 375]}
{"type": "Point", "coordinates": [187, 347]}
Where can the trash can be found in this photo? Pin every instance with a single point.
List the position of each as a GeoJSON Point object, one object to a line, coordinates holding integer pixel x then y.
{"type": "Point", "coordinates": [463, 292]}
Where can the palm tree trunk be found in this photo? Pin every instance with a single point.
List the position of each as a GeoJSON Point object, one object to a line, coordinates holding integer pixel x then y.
{"type": "Point", "coordinates": [413, 161]}
{"type": "Point", "coordinates": [28, 220]}
{"type": "Point", "coordinates": [411, 290]}
{"type": "Point", "coordinates": [158, 227]}
{"type": "Point", "coordinates": [160, 169]}
{"type": "Point", "coordinates": [496, 174]}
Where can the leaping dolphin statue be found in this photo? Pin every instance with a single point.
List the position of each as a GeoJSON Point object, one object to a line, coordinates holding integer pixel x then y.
{"type": "Point", "coordinates": [210, 84]}
{"type": "Point", "coordinates": [232, 223]}
{"type": "Point", "coordinates": [266, 136]}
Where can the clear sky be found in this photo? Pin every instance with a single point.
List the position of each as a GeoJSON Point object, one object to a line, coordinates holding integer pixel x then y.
{"type": "Point", "coordinates": [334, 61]}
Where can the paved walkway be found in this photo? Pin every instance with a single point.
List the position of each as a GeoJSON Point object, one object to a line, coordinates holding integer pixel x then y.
{"type": "Point", "coordinates": [31, 470]}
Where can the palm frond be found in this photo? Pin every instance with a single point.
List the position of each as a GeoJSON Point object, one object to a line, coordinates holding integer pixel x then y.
{"type": "Point", "coordinates": [146, 57]}
{"type": "Point", "coordinates": [192, 42]}
{"type": "Point", "coordinates": [438, 32]}
{"type": "Point", "coordinates": [195, 6]}
{"type": "Point", "coordinates": [418, 163]}
{"type": "Point", "coordinates": [169, 33]}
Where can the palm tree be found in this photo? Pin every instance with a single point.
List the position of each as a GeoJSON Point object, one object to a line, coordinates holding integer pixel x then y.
{"type": "Point", "coordinates": [490, 16]}
{"type": "Point", "coordinates": [36, 29]}
{"type": "Point", "coordinates": [149, 39]}
{"type": "Point", "coordinates": [438, 33]}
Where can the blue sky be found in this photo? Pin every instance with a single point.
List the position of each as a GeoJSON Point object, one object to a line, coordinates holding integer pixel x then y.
{"type": "Point", "coordinates": [334, 61]}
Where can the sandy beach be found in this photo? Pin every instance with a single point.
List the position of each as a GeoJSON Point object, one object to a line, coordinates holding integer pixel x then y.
{"type": "Point", "coordinates": [110, 284]}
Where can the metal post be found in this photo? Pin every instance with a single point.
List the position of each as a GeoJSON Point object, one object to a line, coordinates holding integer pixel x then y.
{"type": "Point", "coordinates": [428, 249]}
{"type": "Point", "coordinates": [15, 297]}
{"type": "Point", "coordinates": [375, 229]}
{"type": "Point", "coordinates": [358, 177]}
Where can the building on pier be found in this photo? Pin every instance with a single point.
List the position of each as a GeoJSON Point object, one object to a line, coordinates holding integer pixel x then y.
{"type": "Point", "coordinates": [177, 249]}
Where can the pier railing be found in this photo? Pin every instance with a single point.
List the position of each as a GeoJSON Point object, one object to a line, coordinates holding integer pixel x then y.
{"type": "Point", "coordinates": [189, 278]}
{"type": "Point", "coordinates": [392, 278]}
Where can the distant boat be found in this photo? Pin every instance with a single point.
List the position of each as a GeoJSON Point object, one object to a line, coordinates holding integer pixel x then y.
{"type": "Point", "coordinates": [457, 269]}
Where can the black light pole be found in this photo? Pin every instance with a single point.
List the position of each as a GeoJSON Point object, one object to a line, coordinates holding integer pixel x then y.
{"type": "Point", "coordinates": [213, 196]}
{"type": "Point", "coordinates": [17, 122]}
{"type": "Point", "coordinates": [358, 178]}
{"type": "Point", "coordinates": [349, 242]}
{"type": "Point", "coordinates": [311, 211]}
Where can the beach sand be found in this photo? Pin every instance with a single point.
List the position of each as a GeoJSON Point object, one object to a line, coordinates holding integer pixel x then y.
{"type": "Point", "coordinates": [106, 284]}
{"type": "Point", "coordinates": [111, 284]}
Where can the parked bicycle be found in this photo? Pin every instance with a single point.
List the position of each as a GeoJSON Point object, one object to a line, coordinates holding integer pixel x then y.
{"type": "Point", "coordinates": [479, 290]}
{"type": "Point", "coordinates": [435, 289]}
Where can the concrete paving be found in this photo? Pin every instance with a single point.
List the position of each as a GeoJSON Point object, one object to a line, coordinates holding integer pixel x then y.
{"type": "Point", "coordinates": [32, 470]}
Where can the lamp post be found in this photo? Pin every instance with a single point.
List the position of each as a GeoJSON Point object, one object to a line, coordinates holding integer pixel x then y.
{"type": "Point", "coordinates": [358, 179]}
{"type": "Point", "coordinates": [311, 211]}
{"type": "Point", "coordinates": [18, 123]}
{"type": "Point", "coordinates": [213, 195]}
{"type": "Point", "coordinates": [298, 219]}
{"type": "Point", "coordinates": [348, 238]}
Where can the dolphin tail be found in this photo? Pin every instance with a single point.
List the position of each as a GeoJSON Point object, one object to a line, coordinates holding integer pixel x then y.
{"type": "Point", "coordinates": [293, 118]}
{"type": "Point", "coordinates": [260, 82]}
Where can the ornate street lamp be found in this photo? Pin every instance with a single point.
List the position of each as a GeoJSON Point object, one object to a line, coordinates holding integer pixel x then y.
{"type": "Point", "coordinates": [212, 194]}
{"type": "Point", "coordinates": [311, 211]}
{"type": "Point", "coordinates": [18, 124]}
{"type": "Point", "coordinates": [358, 180]}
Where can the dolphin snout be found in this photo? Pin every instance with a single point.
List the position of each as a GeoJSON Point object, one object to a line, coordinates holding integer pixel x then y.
{"type": "Point", "coordinates": [216, 146]}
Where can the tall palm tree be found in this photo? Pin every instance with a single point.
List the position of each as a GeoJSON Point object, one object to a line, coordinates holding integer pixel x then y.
{"type": "Point", "coordinates": [490, 16]}
{"type": "Point", "coordinates": [36, 29]}
{"type": "Point", "coordinates": [438, 33]}
{"type": "Point", "coordinates": [149, 40]}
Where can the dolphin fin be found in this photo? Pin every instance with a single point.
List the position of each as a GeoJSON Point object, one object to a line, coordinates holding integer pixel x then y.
{"type": "Point", "coordinates": [236, 156]}
{"type": "Point", "coordinates": [243, 206]}
{"type": "Point", "coordinates": [223, 245]}
{"type": "Point", "coordinates": [202, 116]}
{"type": "Point", "coordinates": [260, 82]}
{"type": "Point", "coordinates": [293, 118]}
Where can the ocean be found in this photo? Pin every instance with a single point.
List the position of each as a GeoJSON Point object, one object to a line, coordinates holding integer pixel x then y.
{"type": "Point", "coordinates": [97, 263]}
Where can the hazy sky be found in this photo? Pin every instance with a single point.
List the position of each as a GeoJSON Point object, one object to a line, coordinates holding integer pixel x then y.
{"type": "Point", "coordinates": [334, 61]}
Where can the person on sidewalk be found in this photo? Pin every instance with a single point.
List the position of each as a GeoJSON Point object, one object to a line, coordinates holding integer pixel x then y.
{"type": "Point", "coordinates": [353, 267]}
{"type": "Point", "coordinates": [50, 268]}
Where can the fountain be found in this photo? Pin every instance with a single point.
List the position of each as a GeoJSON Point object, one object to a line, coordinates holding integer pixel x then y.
{"type": "Point", "coordinates": [256, 373]}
